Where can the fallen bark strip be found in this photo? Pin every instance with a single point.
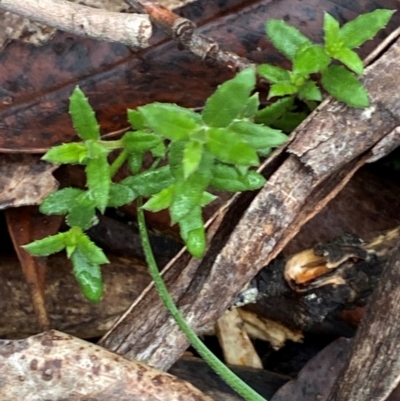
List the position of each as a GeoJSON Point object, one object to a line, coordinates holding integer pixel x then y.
{"type": "Point", "coordinates": [55, 366]}
{"type": "Point", "coordinates": [329, 147]}
{"type": "Point", "coordinates": [129, 29]}
{"type": "Point", "coordinates": [372, 372]}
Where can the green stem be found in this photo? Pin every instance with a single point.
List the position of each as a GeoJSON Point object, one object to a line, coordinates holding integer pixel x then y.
{"type": "Point", "coordinates": [117, 144]}
{"type": "Point", "coordinates": [118, 162]}
{"type": "Point", "coordinates": [226, 374]}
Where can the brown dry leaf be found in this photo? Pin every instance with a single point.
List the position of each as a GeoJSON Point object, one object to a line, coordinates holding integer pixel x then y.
{"type": "Point", "coordinates": [264, 329]}
{"type": "Point", "coordinates": [55, 366]}
{"type": "Point", "coordinates": [24, 180]}
{"type": "Point", "coordinates": [235, 342]}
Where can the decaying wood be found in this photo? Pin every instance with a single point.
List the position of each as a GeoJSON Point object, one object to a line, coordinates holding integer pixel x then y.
{"type": "Point", "coordinates": [129, 29]}
{"type": "Point", "coordinates": [372, 372]}
{"type": "Point", "coordinates": [328, 148]}
{"type": "Point", "coordinates": [55, 366]}
{"type": "Point", "coordinates": [67, 309]}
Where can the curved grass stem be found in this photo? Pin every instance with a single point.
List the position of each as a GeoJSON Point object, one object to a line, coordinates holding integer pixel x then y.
{"type": "Point", "coordinates": [225, 373]}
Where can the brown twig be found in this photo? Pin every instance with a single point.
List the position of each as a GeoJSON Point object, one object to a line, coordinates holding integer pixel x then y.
{"type": "Point", "coordinates": [184, 32]}
{"type": "Point", "coordinates": [129, 29]}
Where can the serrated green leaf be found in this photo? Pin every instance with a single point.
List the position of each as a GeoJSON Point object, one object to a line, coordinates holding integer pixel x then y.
{"type": "Point", "coordinates": [98, 181]}
{"type": "Point", "coordinates": [273, 74]}
{"type": "Point", "coordinates": [159, 150]}
{"type": "Point", "coordinates": [83, 216]}
{"type": "Point", "coordinates": [196, 242]}
{"type": "Point", "coordinates": [258, 136]}
{"type": "Point", "coordinates": [287, 39]}
{"type": "Point", "coordinates": [191, 157]}
{"type": "Point", "coordinates": [282, 89]}
{"type": "Point", "coordinates": [332, 32]}
{"type": "Point", "coordinates": [188, 193]}
{"type": "Point", "coordinates": [60, 202]}
{"type": "Point", "coordinates": [159, 201]}
{"type": "Point", "coordinates": [290, 121]}
{"type": "Point", "coordinates": [344, 86]}
{"type": "Point", "coordinates": [250, 109]}
{"type": "Point", "coordinates": [310, 60]}
{"type": "Point", "coordinates": [90, 250]}
{"type": "Point", "coordinates": [135, 161]}
{"type": "Point", "coordinates": [350, 59]}
{"type": "Point", "coordinates": [273, 112]}
{"type": "Point", "coordinates": [88, 276]}
{"type": "Point", "coordinates": [67, 153]}
{"type": "Point", "coordinates": [364, 27]}
{"type": "Point", "coordinates": [310, 91]}
{"type": "Point", "coordinates": [227, 178]}
{"type": "Point", "coordinates": [136, 120]}
{"type": "Point", "coordinates": [120, 195]}
{"type": "Point", "coordinates": [46, 246]}
{"type": "Point", "coordinates": [191, 222]}
{"type": "Point", "coordinates": [175, 159]}
{"type": "Point", "coordinates": [83, 117]}
{"type": "Point", "coordinates": [207, 198]}
{"type": "Point", "coordinates": [169, 120]}
{"type": "Point", "coordinates": [139, 141]}
{"type": "Point", "coordinates": [227, 101]}
{"type": "Point", "coordinates": [227, 146]}
{"type": "Point", "coordinates": [149, 183]}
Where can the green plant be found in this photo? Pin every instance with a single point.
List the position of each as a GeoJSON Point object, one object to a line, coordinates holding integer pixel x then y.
{"type": "Point", "coordinates": [309, 58]}
{"type": "Point", "coordinates": [215, 149]}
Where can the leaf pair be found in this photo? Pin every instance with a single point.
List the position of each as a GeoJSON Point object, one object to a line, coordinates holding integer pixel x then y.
{"type": "Point", "coordinates": [86, 258]}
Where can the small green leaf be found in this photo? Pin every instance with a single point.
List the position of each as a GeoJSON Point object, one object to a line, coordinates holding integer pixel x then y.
{"type": "Point", "coordinates": [83, 216]}
{"type": "Point", "coordinates": [88, 276]}
{"type": "Point", "coordinates": [227, 146]}
{"type": "Point", "coordinates": [196, 242]}
{"type": "Point", "coordinates": [258, 136]}
{"type": "Point", "coordinates": [332, 33]}
{"type": "Point", "coordinates": [46, 246]}
{"type": "Point", "coordinates": [90, 250]}
{"type": "Point", "coordinates": [168, 120]}
{"type": "Point", "coordinates": [60, 202]}
{"type": "Point", "coordinates": [350, 59]}
{"type": "Point", "coordinates": [120, 195]}
{"type": "Point", "coordinates": [175, 159]}
{"type": "Point", "coordinates": [290, 121]}
{"type": "Point", "coordinates": [99, 181]}
{"type": "Point", "coordinates": [227, 101]}
{"type": "Point", "coordinates": [273, 74]}
{"type": "Point", "coordinates": [282, 89]}
{"type": "Point", "coordinates": [136, 120]}
{"type": "Point", "coordinates": [135, 161]}
{"type": "Point", "coordinates": [140, 141]}
{"type": "Point", "coordinates": [344, 86]}
{"type": "Point", "coordinates": [191, 222]}
{"type": "Point", "coordinates": [150, 182]}
{"type": "Point", "coordinates": [310, 60]}
{"type": "Point", "coordinates": [364, 27]}
{"type": "Point", "coordinates": [310, 91]}
{"type": "Point", "coordinates": [83, 117]}
{"type": "Point", "coordinates": [227, 178]}
{"type": "Point", "coordinates": [287, 39]}
{"type": "Point", "coordinates": [207, 198]}
{"type": "Point", "coordinates": [273, 112]}
{"type": "Point", "coordinates": [96, 149]}
{"type": "Point", "coordinates": [67, 153]}
{"type": "Point", "coordinates": [191, 157]}
{"type": "Point", "coordinates": [159, 201]}
{"type": "Point", "coordinates": [159, 150]}
{"type": "Point", "coordinates": [250, 109]}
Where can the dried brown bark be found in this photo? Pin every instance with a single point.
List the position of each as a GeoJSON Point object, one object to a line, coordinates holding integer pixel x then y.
{"type": "Point", "coordinates": [372, 371]}
{"type": "Point", "coordinates": [328, 148]}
